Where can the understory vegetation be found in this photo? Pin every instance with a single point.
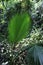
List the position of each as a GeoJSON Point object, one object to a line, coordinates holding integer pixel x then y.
{"type": "Point", "coordinates": [21, 32]}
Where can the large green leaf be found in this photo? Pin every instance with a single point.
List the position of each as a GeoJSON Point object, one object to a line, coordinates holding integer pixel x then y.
{"type": "Point", "coordinates": [19, 26]}
{"type": "Point", "coordinates": [35, 55]}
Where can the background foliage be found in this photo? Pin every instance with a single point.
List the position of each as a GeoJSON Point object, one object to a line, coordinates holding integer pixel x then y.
{"type": "Point", "coordinates": [30, 50]}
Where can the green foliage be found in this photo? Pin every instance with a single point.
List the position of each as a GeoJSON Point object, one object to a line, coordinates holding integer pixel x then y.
{"type": "Point", "coordinates": [18, 27]}
{"type": "Point", "coordinates": [35, 55]}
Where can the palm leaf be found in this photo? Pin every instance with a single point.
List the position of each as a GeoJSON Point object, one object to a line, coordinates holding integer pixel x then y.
{"type": "Point", "coordinates": [19, 26]}
{"type": "Point", "coordinates": [35, 55]}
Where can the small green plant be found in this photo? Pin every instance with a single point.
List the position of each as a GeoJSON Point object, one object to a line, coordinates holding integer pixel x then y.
{"type": "Point", "coordinates": [18, 27]}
